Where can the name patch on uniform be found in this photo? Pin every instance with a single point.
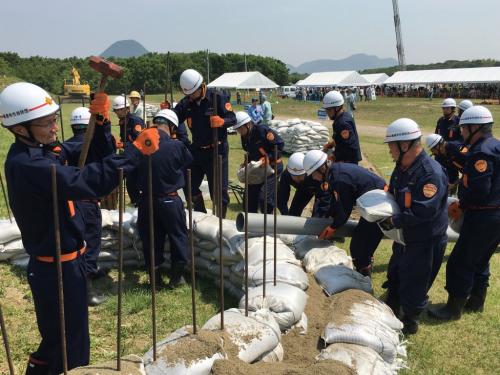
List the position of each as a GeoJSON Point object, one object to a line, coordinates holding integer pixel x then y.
{"type": "Point", "coordinates": [270, 137]}
{"type": "Point", "coordinates": [481, 166]}
{"type": "Point", "coordinates": [344, 134]}
{"type": "Point", "coordinates": [138, 128]}
{"type": "Point", "coordinates": [429, 190]}
{"type": "Point", "coordinates": [228, 107]}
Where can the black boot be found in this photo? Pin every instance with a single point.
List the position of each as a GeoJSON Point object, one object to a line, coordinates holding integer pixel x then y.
{"type": "Point", "coordinates": [224, 211]}
{"type": "Point", "coordinates": [177, 278]}
{"type": "Point", "coordinates": [410, 324]}
{"type": "Point", "coordinates": [392, 301]}
{"type": "Point", "coordinates": [475, 303]}
{"type": "Point", "coordinates": [159, 283]}
{"type": "Point", "coordinates": [37, 367]}
{"type": "Point", "coordinates": [93, 297]}
{"type": "Point", "coordinates": [366, 271]}
{"type": "Point", "coordinates": [451, 311]}
{"type": "Point", "coordinates": [199, 203]}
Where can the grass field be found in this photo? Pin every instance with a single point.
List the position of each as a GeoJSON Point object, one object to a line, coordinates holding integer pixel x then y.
{"type": "Point", "coordinates": [469, 346]}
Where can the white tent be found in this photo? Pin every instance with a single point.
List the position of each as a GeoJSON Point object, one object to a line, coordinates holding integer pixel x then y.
{"type": "Point", "coordinates": [333, 79]}
{"type": "Point", "coordinates": [376, 78]}
{"type": "Point", "coordinates": [463, 75]}
{"type": "Point", "coordinates": [243, 80]}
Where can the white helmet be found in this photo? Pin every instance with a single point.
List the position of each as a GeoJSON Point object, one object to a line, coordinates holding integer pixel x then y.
{"type": "Point", "coordinates": [295, 164]}
{"type": "Point", "coordinates": [476, 115]}
{"type": "Point", "coordinates": [23, 101]}
{"type": "Point", "coordinates": [80, 116]}
{"type": "Point", "coordinates": [120, 102]}
{"type": "Point", "coordinates": [403, 129]}
{"type": "Point", "coordinates": [190, 81]}
{"type": "Point", "coordinates": [242, 118]}
{"type": "Point", "coordinates": [432, 140]}
{"type": "Point", "coordinates": [169, 115]}
{"type": "Point", "coordinates": [449, 102]}
{"type": "Point", "coordinates": [313, 160]}
{"type": "Point", "coordinates": [465, 104]}
{"type": "Point", "coordinates": [333, 99]}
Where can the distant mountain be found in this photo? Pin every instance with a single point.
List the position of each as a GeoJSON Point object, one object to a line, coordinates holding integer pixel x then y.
{"type": "Point", "coordinates": [359, 61]}
{"type": "Point", "coordinates": [125, 48]}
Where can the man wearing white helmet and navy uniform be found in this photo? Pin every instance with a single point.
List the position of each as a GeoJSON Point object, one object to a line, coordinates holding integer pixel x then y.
{"type": "Point", "coordinates": [30, 114]}
{"type": "Point", "coordinates": [102, 145]}
{"type": "Point", "coordinates": [467, 271]}
{"type": "Point", "coordinates": [196, 110]}
{"type": "Point", "coordinates": [130, 125]}
{"type": "Point", "coordinates": [419, 185]}
{"type": "Point", "coordinates": [447, 127]}
{"type": "Point", "coordinates": [345, 136]}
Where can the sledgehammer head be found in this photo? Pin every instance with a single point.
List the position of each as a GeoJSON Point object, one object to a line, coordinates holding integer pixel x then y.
{"type": "Point", "coordinates": [105, 67]}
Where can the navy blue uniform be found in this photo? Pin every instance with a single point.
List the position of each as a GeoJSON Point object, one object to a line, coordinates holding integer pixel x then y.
{"type": "Point", "coordinates": [168, 165]}
{"type": "Point", "coordinates": [347, 182]}
{"type": "Point", "coordinates": [449, 129]}
{"type": "Point", "coordinates": [197, 117]}
{"type": "Point", "coordinates": [421, 192]}
{"type": "Point", "coordinates": [304, 192]}
{"type": "Point", "coordinates": [102, 145]}
{"type": "Point", "coordinates": [346, 139]}
{"type": "Point", "coordinates": [260, 143]}
{"type": "Point", "coordinates": [130, 128]}
{"type": "Point", "coordinates": [479, 194]}
{"type": "Point", "coordinates": [27, 171]}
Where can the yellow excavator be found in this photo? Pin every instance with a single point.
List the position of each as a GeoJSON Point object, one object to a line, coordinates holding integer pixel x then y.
{"type": "Point", "coordinates": [73, 87]}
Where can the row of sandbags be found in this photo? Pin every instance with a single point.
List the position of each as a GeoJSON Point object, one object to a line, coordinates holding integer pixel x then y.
{"type": "Point", "coordinates": [301, 135]}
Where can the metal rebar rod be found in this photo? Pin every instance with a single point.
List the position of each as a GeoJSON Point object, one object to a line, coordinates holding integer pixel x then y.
{"type": "Point", "coordinates": [215, 178]}
{"type": "Point", "coordinates": [121, 204]}
{"type": "Point", "coordinates": [152, 271]}
{"type": "Point", "coordinates": [6, 342]}
{"type": "Point", "coordinates": [60, 287]}
{"type": "Point", "coordinates": [246, 234]}
{"type": "Point", "coordinates": [144, 117]}
{"type": "Point", "coordinates": [221, 246]}
{"type": "Point", "coordinates": [265, 231]}
{"type": "Point", "coordinates": [61, 117]}
{"type": "Point", "coordinates": [191, 249]}
{"type": "Point", "coordinates": [275, 211]}
{"type": "Point", "coordinates": [5, 198]}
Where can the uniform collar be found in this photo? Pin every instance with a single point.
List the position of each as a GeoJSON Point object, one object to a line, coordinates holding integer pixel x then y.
{"type": "Point", "coordinates": [479, 142]}
{"type": "Point", "coordinates": [413, 166]}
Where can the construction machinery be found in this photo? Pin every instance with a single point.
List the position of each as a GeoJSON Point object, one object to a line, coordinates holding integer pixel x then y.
{"type": "Point", "coordinates": [73, 87]}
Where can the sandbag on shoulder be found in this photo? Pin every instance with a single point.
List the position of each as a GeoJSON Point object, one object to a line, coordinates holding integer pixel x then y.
{"type": "Point", "coordinates": [286, 303]}
{"type": "Point", "coordinates": [335, 279]}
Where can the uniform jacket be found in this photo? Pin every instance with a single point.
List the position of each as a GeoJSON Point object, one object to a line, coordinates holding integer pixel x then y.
{"type": "Point", "coordinates": [346, 139]}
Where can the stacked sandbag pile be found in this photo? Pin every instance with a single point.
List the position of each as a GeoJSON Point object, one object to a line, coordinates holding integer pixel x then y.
{"type": "Point", "coordinates": [301, 135]}
{"type": "Point", "coordinates": [151, 110]}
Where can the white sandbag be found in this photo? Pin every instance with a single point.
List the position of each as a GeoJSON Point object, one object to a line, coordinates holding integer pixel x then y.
{"type": "Point", "coordinates": [107, 218]}
{"type": "Point", "coordinates": [20, 262]}
{"type": "Point", "coordinates": [9, 231]}
{"type": "Point", "coordinates": [317, 258]}
{"type": "Point", "coordinates": [336, 279]}
{"type": "Point", "coordinates": [206, 227]}
{"type": "Point", "coordinates": [256, 250]}
{"type": "Point", "coordinates": [294, 121]}
{"type": "Point", "coordinates": [227, 255]}
{"type": "Point", "coordinates": [276, 355]}
{"type": "Point", "coordinates": [286, 303]}
{"type": "Point", "coordinates": [287, 273]}
{"type": "Point", "coordinates": [376, 205]}
{"type": "Point", "coordinates": [356, 319]}
{"type": "Point", "coordinates": [255, 335]}
{"type": "Point", "coordinates": [169, 358]}
{"type": "Point", "coordinates": [256, 173]}
{"type": "Point", "coordinates": [232, 289]}
{"type": "Point", "coordinates": [206, 245]}
{"type": "Point", "coordinates": [361, 359]}
{"type": "Point", "coordinates": [302, 244]}
{"type": "Point", "coordinates": [11, 249]}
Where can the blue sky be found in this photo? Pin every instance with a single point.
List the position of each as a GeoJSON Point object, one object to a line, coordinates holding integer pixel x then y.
{"type": "Point", "coordinates": [293, 31]}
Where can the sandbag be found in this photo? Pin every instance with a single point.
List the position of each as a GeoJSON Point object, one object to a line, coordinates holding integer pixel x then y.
{"type": "Point", "coordinates": [11, 249]}
{"type": "Point", "coordinates": [255, 335]}
{"type": "Point", "coordinates": [256, 173]}
{"type": "Point", "coordinates": [276, 355]}
{"type": "Point", "coordinates": [302, 244]}
{"type": "Point", "coordinates": [286, 303]}
{"type": "Point", "coordinates": [287, 273]}
{"type": "Point", "coordinates": [256, 250]}
{"type": "Point", "coordinates": [182, 353]}
{"type": "Point", "coordinates": [317, 258]}
{"type": "Point", "coordinates": [355, 318]}
{"type": "Point", "coordinates": [9, 231]}
{"type": "Point", "coordinates": [335, 279]}
{"type": "Point", "coordinates": [361, 359]}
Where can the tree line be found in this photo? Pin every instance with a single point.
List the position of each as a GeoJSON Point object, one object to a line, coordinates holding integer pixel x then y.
{"type": "Point", "coordinates": [448, 64]}
{"type": "Point", "coordinates": [150, 69]}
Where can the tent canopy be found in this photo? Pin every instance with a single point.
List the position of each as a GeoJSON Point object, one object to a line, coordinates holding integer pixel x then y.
{"type": "Point", "coordinates": [462, 75]}
{"type": "Point", "coordinates": [243, 80]}
{"type": "Point", "coordinates": [324, 79]}
{"type": "Point", "coordinates": [376, 78]}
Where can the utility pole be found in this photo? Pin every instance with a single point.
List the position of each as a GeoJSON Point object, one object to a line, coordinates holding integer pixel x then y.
{"type": "Point", "coordinates": [399, 38]}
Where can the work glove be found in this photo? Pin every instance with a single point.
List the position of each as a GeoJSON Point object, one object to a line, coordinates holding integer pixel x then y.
{"type": "Point", "coordinates": [329, 145]}
{"type": "Point", "coordinates": [387, 224]}
{"type": "Point", "coordinates": [148, 141]}
{"type": "Point", "coordinates": [216, 122]}
{"type": "Point", "coordinates": [454, 211]}
{"type": "Point", "coordinates": [264, 160]}
{"type": "Point", "coordinates": [119, 144]}
{"type": "Point", "coordinates": [99, 106]}
{"type": "Point", "coordinates": [327, 233]}
{"type": "Point", "coordinates": [165, 105]}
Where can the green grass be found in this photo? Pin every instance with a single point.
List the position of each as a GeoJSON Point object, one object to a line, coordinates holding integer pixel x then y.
{"type": "Point", "coordinates": [464, 347]}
